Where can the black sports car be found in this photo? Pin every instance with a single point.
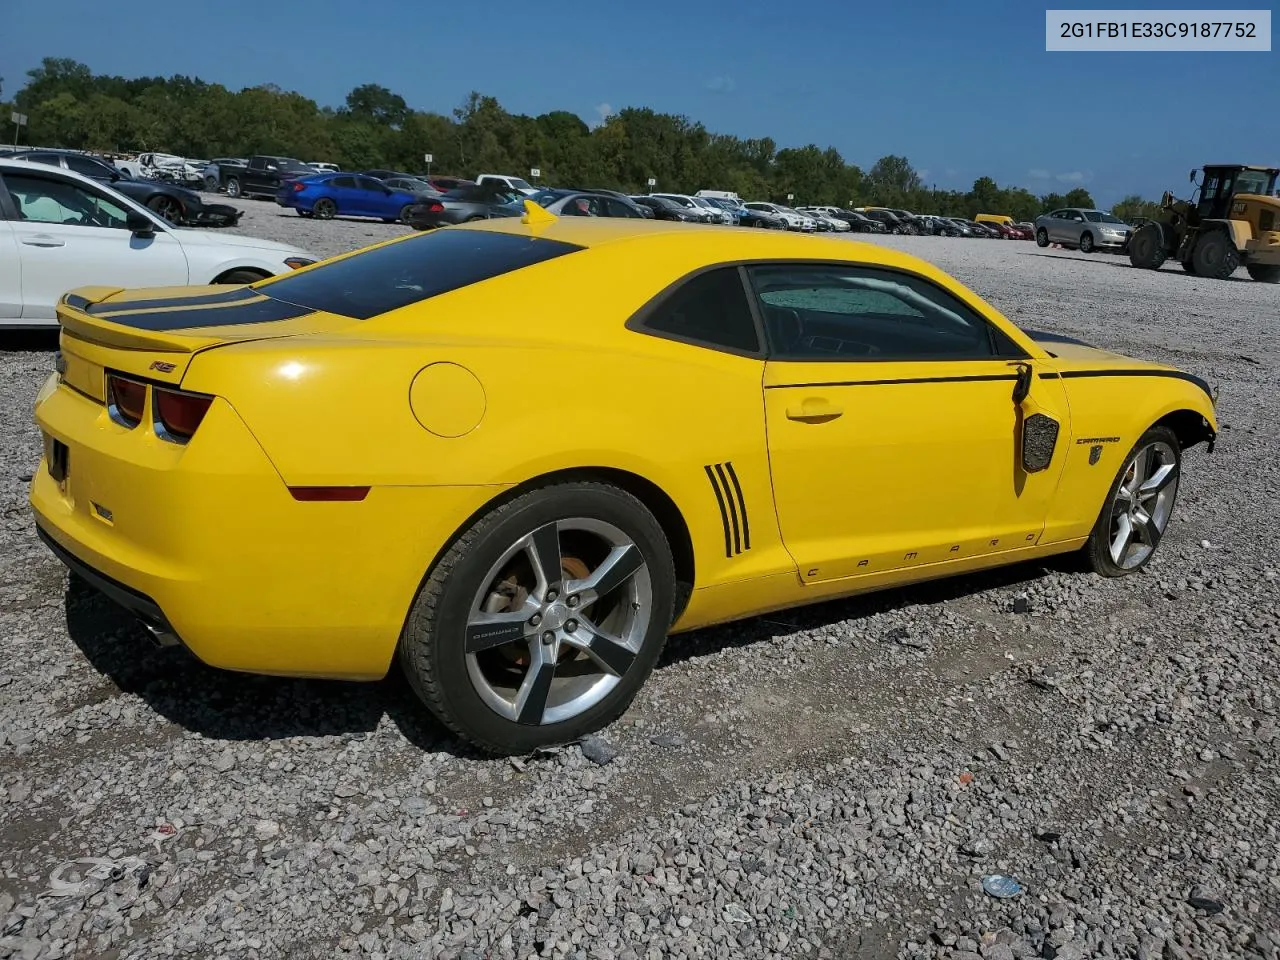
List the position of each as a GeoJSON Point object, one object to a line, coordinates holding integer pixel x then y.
{"type": "Point", "coordinates": [480, 201]}
{"type": "Point", "coordinates": [178, 205]}
{"type": "Point", "coordinates": [664, 209]}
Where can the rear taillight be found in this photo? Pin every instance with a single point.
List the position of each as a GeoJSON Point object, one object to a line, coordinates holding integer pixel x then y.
{"type": "Point", "coordinates": [436, 207]}
{"type": "Point", "coordinates": [179, 413]}
{"type": "Point", "coordinates": [126, 400]}
{"type": "Point", "coordinates": [299, 187]}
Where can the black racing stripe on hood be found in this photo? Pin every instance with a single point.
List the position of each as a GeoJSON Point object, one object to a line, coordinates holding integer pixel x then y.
{"type": "Point", "coordinates": [232, 315]}
{"type": "Point", "coordinates": [1043, 336]}
{"type": "Point", "coordinates": [233, 295]}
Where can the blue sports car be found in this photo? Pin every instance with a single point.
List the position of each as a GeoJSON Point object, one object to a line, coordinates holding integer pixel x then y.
{"type": "Point", "coordinates": [329, 195]}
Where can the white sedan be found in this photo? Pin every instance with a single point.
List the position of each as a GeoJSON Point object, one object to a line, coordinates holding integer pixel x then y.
{"type": "Point", "coordinates": [60, 230]}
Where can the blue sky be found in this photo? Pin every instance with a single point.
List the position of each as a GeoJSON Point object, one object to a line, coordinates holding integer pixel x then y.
{"type": "Point", "coordinates": [962, 89]}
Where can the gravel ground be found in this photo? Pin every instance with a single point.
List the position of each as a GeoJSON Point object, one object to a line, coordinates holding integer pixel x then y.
{"type": "Point", "coordinates": [830, 782]}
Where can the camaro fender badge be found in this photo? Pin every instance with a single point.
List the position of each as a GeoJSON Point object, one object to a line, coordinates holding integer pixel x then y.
{"type": "Point", "coordinates": [1095, 446]}
{"type": "Point", "coordinates": [162, 366]}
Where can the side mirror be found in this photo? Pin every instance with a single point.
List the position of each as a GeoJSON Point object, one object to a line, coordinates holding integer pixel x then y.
{"type": "Point", "coordinates": [1022, 386]}
{"type": "Point", "coordinates": [140, 225]}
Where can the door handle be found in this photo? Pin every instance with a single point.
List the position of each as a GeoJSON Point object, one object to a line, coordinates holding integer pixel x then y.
{"type": "Point", "coordinates": [43, 241]}
{"type": "Point", "coordinates": [814, 409]}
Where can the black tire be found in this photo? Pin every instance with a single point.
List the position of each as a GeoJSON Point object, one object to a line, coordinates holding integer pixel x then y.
{"type": "Point", "coordinates": [1086, 242]}
{"type": "Point", "coordinates": [324, 209]}
{"type": "Point", "coordinates": [1215, 256]}
{"type": "Point", "coordinates": [1264, 272]}
{"type": "Point", "coordinates": [1042, 237]}
{"type": "Point", "coordinates": [167, 207]}
{"type": "Point", "coordinates": [404, 212]}
{"type": "Point", "coordinates": [1189, 266]}
{"type": "Point", "coordinates": [210, 184]}
{"type": "Point", "coordinates": [1097, 547]}
{"type": "Point", "coordinates": [241, 276]}
{"type": "Point", "coordinates": [432, 645]}
{"type": "Point", "coordinates": [233, 187]}
{"type": "Point", "coordinates": [1146, 247]}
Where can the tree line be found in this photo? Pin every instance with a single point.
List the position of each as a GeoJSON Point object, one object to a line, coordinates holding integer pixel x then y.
{"type": "Point", "coordinates": [67, 105]}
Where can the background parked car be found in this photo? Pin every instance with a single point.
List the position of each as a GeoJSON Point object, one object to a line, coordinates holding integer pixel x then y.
{"type": "Point", "coordinates": [176, 204]}
{"type": "Point", "coordinates": [585, 203]}
{"type": "Point", "coordinates": [743, 215]}
{"type": "Point", "coordinates": [517, 184]}
{"type": "Point", "coordinates": [664, 209]}
{"type": "Point", "coordinates": [790, 218]}
{"type": "Point", "coordinates": [329, 195]}
{"type": "Point", "coordinates": [639, 210]}
{"type": "Point", "coordinates": [704, 213]}
{"type": "Point", "coordinates": [823, 215]}
{"type": "Point", "coordinates": [414, 185]}
{"type": "Point", "coordinates": [211, 176]}
{"type": "Point", "coordinates": [163, 166]}
{"type": "Point", "coordinates": [890, 220]}
{"type": "Point", "coordinates": [474, 201]}
{"type": "Point", "coordinates": [261, 176]}
{"type": "Point", "coordinates": [60, 230]}
{"type": "Point", "coordinates": [1082, 228]}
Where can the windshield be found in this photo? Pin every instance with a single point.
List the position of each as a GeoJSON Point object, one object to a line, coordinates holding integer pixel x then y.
{"type": "Point", "coordinates": [1097, 216]}
{"type": "Point", "coordinates": [1255, 181]}
{"type": "Point", "coordinates": [544, 198]}
{"type": "Point", "coordinates": [519, 184]}
{"type": "Point", "coordinates": [288, 163]}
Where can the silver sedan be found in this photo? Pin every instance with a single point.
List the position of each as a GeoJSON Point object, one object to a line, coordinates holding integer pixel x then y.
{"type": "Point", "coordinates": [1081, 228]}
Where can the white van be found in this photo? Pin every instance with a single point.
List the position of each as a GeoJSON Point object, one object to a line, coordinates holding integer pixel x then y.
{"type": "Point", "coordinates": [719, 195]}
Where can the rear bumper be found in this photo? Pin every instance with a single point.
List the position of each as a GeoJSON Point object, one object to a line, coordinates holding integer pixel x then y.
{"type": "Point", "coordinates": [204, 542]}
{"type": "Point", "coordinates": [139, 604]}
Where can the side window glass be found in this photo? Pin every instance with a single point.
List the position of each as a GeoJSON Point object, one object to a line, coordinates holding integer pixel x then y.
{"type": "Point", "coordinates": [257, 163]}
{"type": "Point", "coordinates": [710, 309]}
{"type": "Point", "coordinates": [48, 200]}
{"type": "Point", "coordinates": [617, 208]}
{"type": "Point", "coordinates": [842, 313]}
{"type": "Point", "coordinates": [370, 184]}
{"type": "Point", "coordinates": [343, 183]}
{"type": "Point", "coordinates": [87, 167]}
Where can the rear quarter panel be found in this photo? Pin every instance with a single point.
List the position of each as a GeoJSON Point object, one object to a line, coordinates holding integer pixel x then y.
{"type": "Point", "coordinates": [564, 385]}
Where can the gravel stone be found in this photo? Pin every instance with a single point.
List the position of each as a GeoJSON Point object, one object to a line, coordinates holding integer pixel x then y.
{"type": "Point", "coordinates": [1116, 746]}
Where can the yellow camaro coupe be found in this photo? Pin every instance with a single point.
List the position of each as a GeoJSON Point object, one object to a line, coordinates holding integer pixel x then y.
{"type": "Point", "coordinates": [518, 454]}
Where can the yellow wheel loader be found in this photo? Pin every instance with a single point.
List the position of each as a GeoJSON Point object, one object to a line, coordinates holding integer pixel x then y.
{"type": "Point", "coordinates": [1235, 222]}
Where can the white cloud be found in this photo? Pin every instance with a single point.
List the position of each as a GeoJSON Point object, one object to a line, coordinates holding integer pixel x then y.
{"type": "Point", "coordinates": [1039, 173]}
{"type": "Point", "coordinates": [923, 174]}
{"type": "Point", "coordinates": [604, 111]}
{"type": "Point", "coordinates": [721, 84]}
{"type": "Point", "coordinates": [1075, 176]}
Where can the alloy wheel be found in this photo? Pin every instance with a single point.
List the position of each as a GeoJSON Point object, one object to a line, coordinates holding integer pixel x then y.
{"type": "Point", "coordinates": [1143, 504]}
{"type": "Point", "coordinates": [558, 621]}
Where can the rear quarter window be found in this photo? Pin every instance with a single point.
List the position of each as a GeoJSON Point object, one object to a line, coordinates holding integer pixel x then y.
{"type": "Point", "coordinates": [383, 279]}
